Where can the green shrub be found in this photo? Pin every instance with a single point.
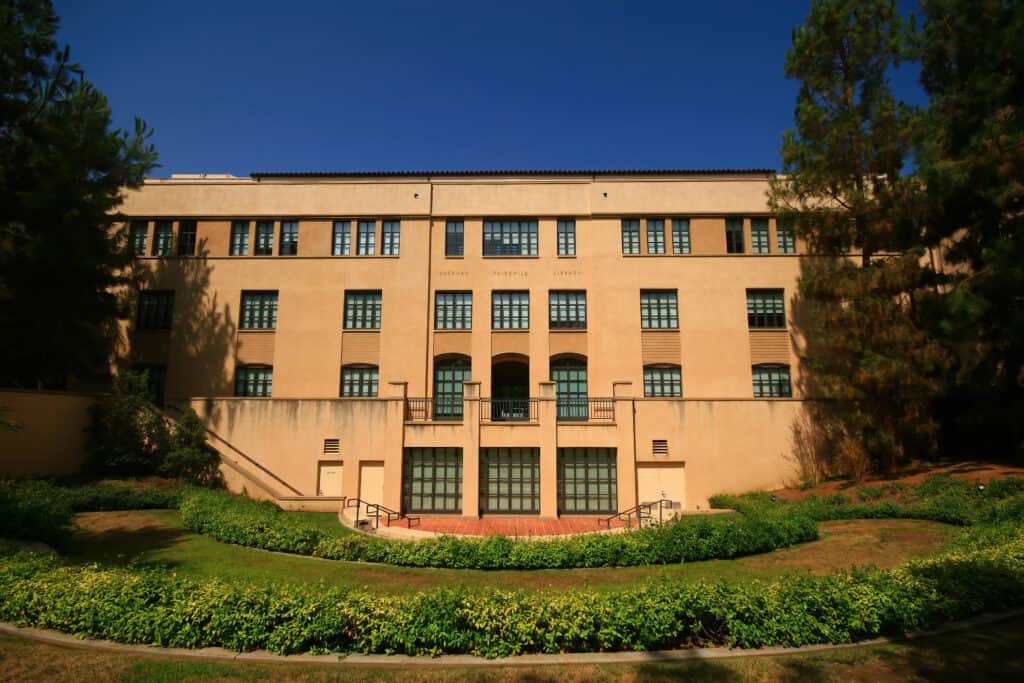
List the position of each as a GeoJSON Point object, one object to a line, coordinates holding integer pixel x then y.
{"type": "Point", "coordinates": [102, 497]}
{"type": "Point", "coordinates": [126, 437]}
{"type": "Point", "coordinates": [30, 511]}
{"type": "Point", "coordinates": [187, 456]}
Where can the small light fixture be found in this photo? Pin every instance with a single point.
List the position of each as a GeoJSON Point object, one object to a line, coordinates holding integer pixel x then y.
{"type": "Point", "coordinates": [981, 488]}
{"type": "Point", "coordinates": [415, 195]}
{"type": "Point", "coordinates": [605, 194]}
{"type": "Point", "coordinates": [774, 499]}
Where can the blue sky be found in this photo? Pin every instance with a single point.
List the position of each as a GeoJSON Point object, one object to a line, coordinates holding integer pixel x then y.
{"type": "Point", "coordinates": [238, 87]}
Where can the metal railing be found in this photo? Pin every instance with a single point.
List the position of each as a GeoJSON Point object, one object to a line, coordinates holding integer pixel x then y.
{"type": "Point", "coordinates": [509, 409]}
{"type": "Point", "coordinates": [432, 409]}
{"type": "Point", "coordinates": [644, 513]}
{"type": "Point", "coordinates": [372, 513]}
{"type": "Point", "coordinates": [585, 409]}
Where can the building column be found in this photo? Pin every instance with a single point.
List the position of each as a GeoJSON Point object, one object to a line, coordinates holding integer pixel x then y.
{"type": "Point", "coordinates": [625, 460]}
{"type": "Point", "coordinates": [393, 464]}
{"type": "Point", "coordinates": [471, 449]}
{"type": "Point", "coordinates": [548, 416]}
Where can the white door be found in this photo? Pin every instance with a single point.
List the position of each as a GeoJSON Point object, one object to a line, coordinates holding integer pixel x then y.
{"type": "Point", "coordinates": [330, 479]}
{"type": "Point", "coordinates": [657, 482]}
{"type": "Point", "coordinates": [371, 484]}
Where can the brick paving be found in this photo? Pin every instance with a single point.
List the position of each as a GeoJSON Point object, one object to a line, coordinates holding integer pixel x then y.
{"type": "Point", "coordinates": [512, 526]}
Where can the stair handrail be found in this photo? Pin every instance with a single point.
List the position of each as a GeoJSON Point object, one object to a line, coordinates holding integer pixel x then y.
{"type": "Point", "coordinates": [376, 510]}
{"type": "Point", "coordinates": [641, 511]}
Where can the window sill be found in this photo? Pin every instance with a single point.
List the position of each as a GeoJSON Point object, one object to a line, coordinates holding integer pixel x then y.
{"type": "Point", "coordinates": [511, 256]}
{"type": "Point", "coordinates": [360, 329]}
{"type": "Point", "coordinates": [567, 329]}
{"type": "Point", "coordinates": [258, 330]}
{"type": "Point", "coordinates": [453, 329]}
{"type": "Point", "coordinates": [524, 330]}
{"type": "Point", "coordinates": [659, 329]}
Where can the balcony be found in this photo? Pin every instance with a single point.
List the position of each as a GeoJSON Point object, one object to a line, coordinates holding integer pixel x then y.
{"type": "Point", "coordinates": [509, 410]}
{"type": "Point", "coordinates": [585, 409]}
{"type": "Point", "coordinates": [439, 409]}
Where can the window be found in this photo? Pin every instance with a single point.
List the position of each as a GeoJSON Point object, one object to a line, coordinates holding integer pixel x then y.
{"type": "Point", "coordinates": [567, 310]}
{"type": "Point", "coordinates": [341, 242]}
{"type": "Point", "coordinates": [253, 380]}
{"type": "Point", "coordinates": [362, 310]}
{"type": "Point", "coordinates": [570, 378]}
{"type": "Point", "coordinates": [366, 239]}
{"type": "Point", "coordinates": [663, 381]}
{"type": "Point", "coordinates": [771, 381]}
{"type": "Point", "coordinates": [681, 236]}
{"type": "Point", "coordinates": [259, 311]}
{"type": "Point", "coordinates": [658, 309]}
{"type": "Point", "coordinates": [587, 481]}
{"type": "Point", "coordinates": [186, 238]}
{"type": "Point", "coordinates": [759, 235]}
{"type": "Point", "coordinates": [449, 376]}
{"type": "Point", "coordinates": [156, 310]}
{"type": "Point", "coordinates": [359, 380]}
{"type": "Point", "coordinates": [655, 236]}
{"type": "Point", "coordinates": [240, 238]}
{"type": "Point", "coordinates": [785, 238]}
{"type": "Point", "coordinates": [510, 480]}
{"type": "Point", "coordinates": [391, 232]}
{"type": "Point", "coordinates": [630, 237]}
{"type": "Point", "coordinates": [453, 310]}
{"type": "Point", "coordinates": [567, 238]}
{"type": "Point", "coordinates": [510, 310]}
{"type": "Point", "coordinates": [163, 239]}
{"type": "Point", "coordinates": [734, 236]}
{"type": "Point", "coordinates": [766, 309]}
{"type": "Point", "coordinates": [453, 238]}
{"type": "Point", "coordinates": [264, 239]}
{"type": "Point", "coordinates": [432, 480]}
{"type": "Point", "coordinates": [289, 238]}
{"type": "Point", "coordinates": [137, 238]}
{"type": "Point", "coordinates": [156, 381]}
{"type": "Point", "coordinates": [510, 238]}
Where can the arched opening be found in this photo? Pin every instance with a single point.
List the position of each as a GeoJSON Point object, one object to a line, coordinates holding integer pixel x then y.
{"type": "Point", "coordinates": [450, 372]}
{"type": "Point", "coordinates": [510, 387]}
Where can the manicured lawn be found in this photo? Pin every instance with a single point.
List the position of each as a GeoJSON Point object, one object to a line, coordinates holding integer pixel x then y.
{"type": "Point", "coordinates": [157, 537]}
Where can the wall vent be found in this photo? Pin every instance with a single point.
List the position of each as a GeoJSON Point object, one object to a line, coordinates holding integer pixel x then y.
{"type": "Point", "coordinates": [332, 446]}
{"type": "Point", "coordinates": [659, 446]}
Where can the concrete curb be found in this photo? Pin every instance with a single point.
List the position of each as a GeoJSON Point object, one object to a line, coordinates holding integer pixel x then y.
{"type": "Point", "coordinates": [407, 661]}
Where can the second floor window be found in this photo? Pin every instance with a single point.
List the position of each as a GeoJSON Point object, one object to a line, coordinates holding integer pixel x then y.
{"type": "Point", "coordinates": [453, 310]}
{"type": "Point", "coordinates": [658, 309]}
{"type": "Point", "coordinates": [734, 236]}
{"type": "Point", "coordinates": [264, 239]}
{"type": "Point", "coordinates": [567, 238]}
{"type": "Point", "coordinates": [655, 236]}
{"type": "Point", "coordinates": [341, 239]}
{"type": "Point", "coordinates": [766, 309]}
{"type": "Point", "coordinates": [240, 238]}
{"type": "Point", "coordinates": [156, 310]}
{"type": "Point", "coordinates": [567, 310]}
{"type": "Point", "coordinates": [771, 381]}
{"type": "Point", "coordinates": [510, 238]}
{"type": "Point", "coordinates": [759, 235]}
{"type": "Point", "coordinates": [785, 238]}
{"type": "Point", "coordinates": [359, 380]}
{"type": "Point", "coordinates": [630, 237]}
{"type": "Point", "coordinates": [391, 232]}
{"type": "Point", "coordinates": [254, 380]}
{"type": "Point", "coordinates": [163, 239]}
{"type": "Point", "coordinates": [510, 310]}
{"type": "Point", "coordinates": [681, 236]}
{"type": "Point", "coordinates": [663, 381]}
{"type": "Point", "coordinates": [289, 238]}
{"type": "Point", "coordinates": [137, 238]}
{"type": "Point", "coordinates": [186, 238]}
{"type": "Point", "coordinates": [259, 311]}
{"type": "Point", "coordinates": [362, 310]}
{"type": "Point", "coordinates": [453, 238]}
{"type": "Point", "coordinates": [366, 238]}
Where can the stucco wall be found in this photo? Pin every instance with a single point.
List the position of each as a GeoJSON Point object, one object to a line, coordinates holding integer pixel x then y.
{"type": "Point", "coordinates": [51, 438]}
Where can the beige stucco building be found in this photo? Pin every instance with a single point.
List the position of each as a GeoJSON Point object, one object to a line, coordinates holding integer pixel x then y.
{"type": "Point", "coordinates": [536, 343]}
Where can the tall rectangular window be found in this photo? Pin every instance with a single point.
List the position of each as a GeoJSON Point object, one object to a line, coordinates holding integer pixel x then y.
{"type": "Point", "coordinates": [259, 311]}
{"type": "Point", "coordinates": [567, 310]}
{"type": "Point", "coordinates": [163, 239]}
{"type": "Point", "coordinates": [391, 232]}
{"type": "Point", "coordinates": [362, 310]}
{"type": "Point", "coordinates": [156, 310]}
{"type": "Point", "coordinates": [587, 481]}
{"type": "Point", "coordinates": [655, 236]}
{"type": "Point", "coordinates": [359, 380]}
{"type": "Point", "coordinates": [658, 309]}
{"type": "Point", "coordinates": [663, 382]}
{"type": "Point", "coordinates": [240, 238]}
{"type": "Point", "coordinates": [254, 380]}
{"type": "Point", "coordinates": [734, 236]}
{"type": "Point", "coordinates": [453, 238]}
{"type": "Point", "coordinates": [510, 238]}
{"type": "Point", "coordinates": [341, 238]}
{"type": "Point", "coordinates": [453, 310]}
{"type": "Point", "coordinates": [289, 238]}
{"type": "Point", "coordinates": [510, 310]}
{"type": "Point", "coordinates": [567, 238]}
{"type": "Point", "coordinates": [785, 237]}
{"type": "Point", "coordinates": [630, 237]}
{"type": "Point", "coordinates": [264, 238]}
{"type": "Point", "coordinates": [771, 381]}
{"type": "Point", "coordinates": [681, 236]}
{"type": "Point", "coordinates": [432, 480]}
{"type": "Point", "coordinates": [759, 235]}
{"type": "Point", "coordinates": [137, 238]}
{"type": "Point", "coordinates": [366, 238]}
{"type": "Point", "coordinates": [766, 309]}
{"type": "Point", "coordinates": [186, 238]}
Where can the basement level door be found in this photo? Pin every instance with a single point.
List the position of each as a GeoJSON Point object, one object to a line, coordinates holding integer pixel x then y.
{"type": "Point", "coordinates": [330, 479]}
{"type": "Point", "coordinates": [371, 483]}
{"type": "Point", "coordinates": [654, 482]}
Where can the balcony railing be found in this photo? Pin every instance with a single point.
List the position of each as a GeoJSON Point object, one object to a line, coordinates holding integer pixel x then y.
{"type": "Point", "coordinates": [443, 408]}
{"type": "Point", "coordinates": [509, 410]}
{"type": "Point", "coordinates": [586, 409]}
{"type": "Point", "coordinates": [449, 408]}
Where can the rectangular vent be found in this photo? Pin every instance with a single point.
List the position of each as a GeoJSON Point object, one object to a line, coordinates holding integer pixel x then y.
{"type": "Point", "coordinates": [659, 446]}
{"type": "Point", "coordinates": [332, 446]}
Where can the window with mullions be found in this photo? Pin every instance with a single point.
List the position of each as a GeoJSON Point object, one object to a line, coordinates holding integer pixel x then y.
{"type": "Point", "coordinates": [567, 310]}
{"type": "Point", "coordinates": [453, 238]}
{"type": "Point", "coordinates": [658, 309]}
{"type": "Point", "coordinates": [587, 481]}
{"type": "Point", "coordinates": [570, 378]}
{"type": "Point", "coordinates": [240, 238]}
{"type": "Point", "coordinates": [663, 381]}
{"type": "Point", "coordinates": [510, 238]}
{"type": "Point", "coordinates": [259, 311]}
{"type": "Point", "coordinates": [362, 310]}
{"type": "Point", "coordinates": [771, 381]}
{"type": "Point", "coordinates": [341, 238]}
{"type": "Point", "coordinates": [186, 238]}
{"type": "Point", "coordinates": [254, 380]}
{"type": "Point", "coordinates": [630, 237]}
{"type": "Point", "coordinates": [137, 238]}
{"type": "Point", "coordinates": [766, 309]}
{"type": "Point", "coordinates": [449, 376]}
{"type": "Point", "coordinates": [567, 238]}
{"type": "Point", "coordinates": [264, 238]}
{"type": "Point", "coordinates": [655, 236]}
{"type": "Point", "coordinates": [759, 235]}
{"type": "Point", "coordinates": [163, 238]}
{"type": "Point", "coordinates": [156, 310]}
{"type": "Point", "coordinates": [391, 232]}
{"type": "Point", "coordinates": [510, 310]}
{"type": "Point", "coordinates": [734, 236]}
{"type": "Point", "coordinates": [453, 310]}
{"type": "Point", "coordinates": [681, 236]}
{"type": "Point", "coordinates": [289, 238]}
{"type": "Point", "coordinates": [366, 238]}
{"type": "Point", "coordinates": [510, 480]}
{"type": "Point", "coordinates": [785, 238]}
{"type": "Point", "coordinates": [359, 380]}
{"type": "Point", "coordinates": [432, 480]}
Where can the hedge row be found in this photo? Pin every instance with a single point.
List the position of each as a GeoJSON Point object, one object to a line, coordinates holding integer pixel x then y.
{"type": "Point", "coordinates": [158, 607]}
{"type": "Point", "coordinates": [233, 519]}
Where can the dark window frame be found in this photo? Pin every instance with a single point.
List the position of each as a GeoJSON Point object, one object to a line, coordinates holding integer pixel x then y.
{"type": "Point", "coordinates": [655, 236]}
{"type": "Point", "coordinates": [444, 465]}
{"type": "Point", "coordinates": [289, 240]}
{"type": "Point", "coordinates": [510, 237]}
{"type": "Point", "coordinates": [566, 232]}
{"type": "Point", "coordinates": [163, 238]}
{"type": "Point", "coordinates": [510, 309]}
{"type": "Point", "coordinates": [567, 309]}
{"type": "Point", "coordinates": [138, 234]}
{"type": "Point", "coordinates": [258, 310]}
{"type": "Point", "coordinates": [454, 238]}
{"type": "Point", "coordinates": [572, 398]}
{"type": "Point", "coordinates": [254, 381]}
{"type": "Point", "coordinates": [363, 309]}
{"type": "Point", "coordinates": [771, 380]}
{"type": "Point", "coordinates": [453, 310]}
{"type": "Point", "coordinates": [659, 309]}
{"type": "Point", "coordinates": [239, 238]}
{"type": "Point", "coordinates": [264, 239]}
{"type": "Point", "coordinates": [766, 309]}
{"type": "Point", "coordinates": [366, 238]}
{"type": "Point", "coordinates": [510, 480]}
{"type": "Point", "coordinates": [587, 468]}
{"type": "Point", "coordinates": [681, 236]}
{"type": "Point", "coordinates": [450, 376]}
{"type": "Point", "coordinates": [760, 236]}
{"type": "Point", "coordinates": [187, 234]}
{"type": "Point", "coordinates": [785, 237]}
{"type": "Point", "coordinates": [630, 236]}
{"type": "Point", "coordinates": [359, 381]}
{"type": "Point", "coordinates": [341, 238]}
{"type": "Point", "coordinates": [734, 236]}
{"type": "Point", "coordinates": [663, 381]}
{"type": "Point", "coordinates": [156, 309]}
{"type": "Point", "coordinates": [390, 238]}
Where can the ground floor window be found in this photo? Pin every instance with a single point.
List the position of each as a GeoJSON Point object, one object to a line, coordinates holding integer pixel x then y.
{"type": "Point", "coordinates": [510, 480]}
{"type": "Point", "coordinates": [587, 481]}
{"type": "Point", "coordinates": [432, 480]}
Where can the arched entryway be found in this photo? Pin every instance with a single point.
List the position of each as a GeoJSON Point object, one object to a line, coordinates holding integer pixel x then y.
{"type": "Point", "coordinates": [510, 388]}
